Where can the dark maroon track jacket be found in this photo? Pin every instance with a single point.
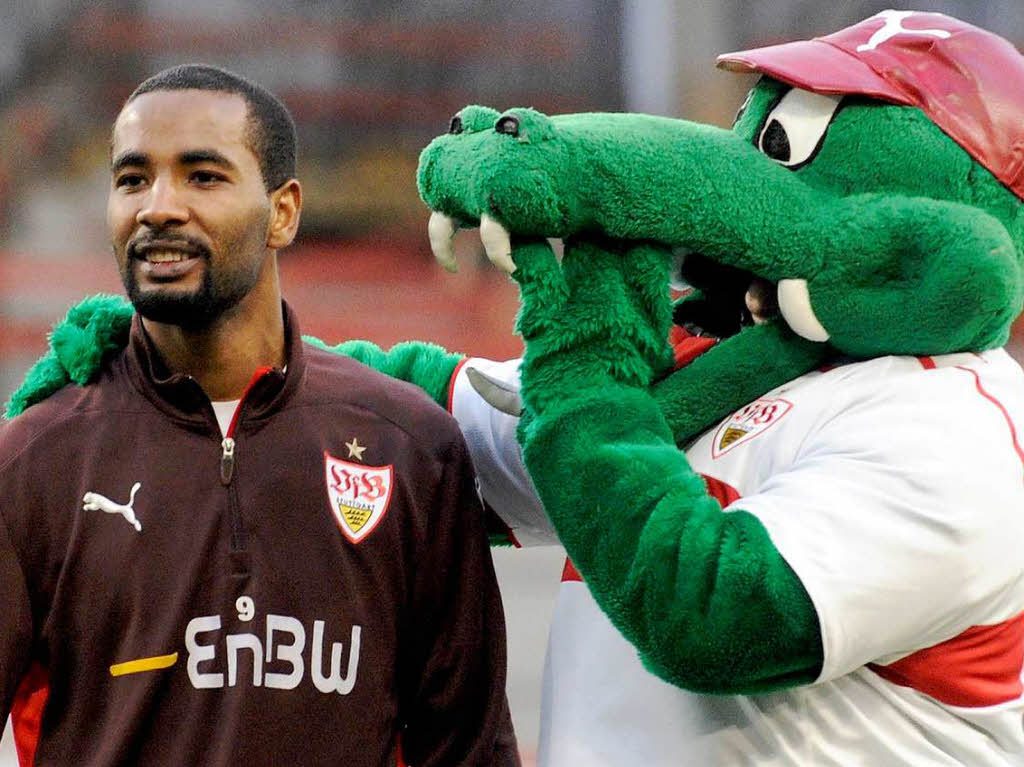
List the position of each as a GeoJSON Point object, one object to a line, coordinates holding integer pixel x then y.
{"type": "Point", "coordinates": [314, 589]}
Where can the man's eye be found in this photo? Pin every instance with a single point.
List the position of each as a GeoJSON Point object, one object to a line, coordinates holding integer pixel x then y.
{"type": "Point", "coordinates": [206, 177]}
{"type": "Point", "coordinates": [129, 181]}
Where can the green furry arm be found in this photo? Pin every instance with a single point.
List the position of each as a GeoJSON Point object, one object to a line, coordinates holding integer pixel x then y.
{"type": "Point", "coordinates": [704, 595]}
{"type": "Point", "coordinates": [79, 343]}
{"type": "Point", "coordinates": [99, 325]}
{"type": "Point", "coordinates": [423, 364]}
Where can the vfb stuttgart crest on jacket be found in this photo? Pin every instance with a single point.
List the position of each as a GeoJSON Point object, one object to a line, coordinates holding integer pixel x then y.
{"type": "Point", "coordinates": [358, 495]}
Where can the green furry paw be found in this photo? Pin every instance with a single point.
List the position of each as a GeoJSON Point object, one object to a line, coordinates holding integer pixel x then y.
{"type": "Point", "coordinates": [601, 316]}
{"type": "Point", "coordinates": [92, 330]}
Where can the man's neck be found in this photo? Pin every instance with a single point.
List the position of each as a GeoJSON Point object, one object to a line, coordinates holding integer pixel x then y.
{"type": "Point", "coordinates": [224, 356]}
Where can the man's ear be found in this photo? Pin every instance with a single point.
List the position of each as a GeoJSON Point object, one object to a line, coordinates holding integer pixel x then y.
{"type": "Point", "coordinates": [285, 209]}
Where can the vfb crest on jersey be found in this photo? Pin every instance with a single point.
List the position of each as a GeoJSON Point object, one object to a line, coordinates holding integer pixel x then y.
{"type": "Point", "coordinates": [358, 495]}
{"type": "Point", "coordinates": [747, 422]}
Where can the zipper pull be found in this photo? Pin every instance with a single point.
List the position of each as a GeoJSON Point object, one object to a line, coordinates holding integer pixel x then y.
{"type": "Point", "coordinates": [227, 460]}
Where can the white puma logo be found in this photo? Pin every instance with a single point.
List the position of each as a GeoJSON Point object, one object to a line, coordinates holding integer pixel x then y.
{"type": "Point", "coordinates": [894, 26]}
{"type": "Point", "coordinates": [97, 502]}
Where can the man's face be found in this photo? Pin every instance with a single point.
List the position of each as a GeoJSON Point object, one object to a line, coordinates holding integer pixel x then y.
{"type": "Point", "coordinates": [188, 212]}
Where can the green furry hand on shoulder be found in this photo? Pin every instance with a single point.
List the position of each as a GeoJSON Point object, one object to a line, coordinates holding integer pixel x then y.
{"type": "Point", "coordinates": [98, 328]}
{"type": "Point", "coordinates": [92, 330]}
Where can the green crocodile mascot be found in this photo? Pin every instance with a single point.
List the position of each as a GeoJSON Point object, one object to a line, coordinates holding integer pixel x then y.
{"type": "Point", "coordinates": [803, 546]}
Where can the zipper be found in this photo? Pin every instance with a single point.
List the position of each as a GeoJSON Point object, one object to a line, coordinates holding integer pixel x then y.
{"type": "Point", "coordinates": [227, 445]}
{"type": "Point", "coordinates": [227, 472]}
{"type": "Point", "coordinates": [227, 460]}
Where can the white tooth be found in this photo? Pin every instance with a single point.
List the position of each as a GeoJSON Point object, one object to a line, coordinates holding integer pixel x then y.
{"type": "Point", "coordinates": [498, 394]}
{"type": "Point", "coordinates": [164, 256]}
{"type": "Point", "coordinates": [497, 243]}
{"type": "Point", "coordinates": [796, 310]}
{"type": "Point", "coordinates": [441, 231]}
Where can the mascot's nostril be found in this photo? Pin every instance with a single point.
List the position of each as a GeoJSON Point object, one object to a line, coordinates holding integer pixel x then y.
{"type": "Point", "coordinates": [455, 126]}
{"type": "Point", "coordinates": [509, 125]}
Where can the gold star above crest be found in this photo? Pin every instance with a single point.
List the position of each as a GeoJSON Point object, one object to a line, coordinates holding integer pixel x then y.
{"type": "Point", "coordinates": [355, 450]}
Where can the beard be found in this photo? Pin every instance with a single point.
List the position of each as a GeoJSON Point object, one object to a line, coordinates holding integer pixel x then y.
{"type": "Point", "coordinates": [218, 292]}
{"type": "Point", "coordinates": [194, 310]}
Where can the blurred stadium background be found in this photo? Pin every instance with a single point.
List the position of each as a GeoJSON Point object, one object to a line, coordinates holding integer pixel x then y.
{"type": "Point", "coordinates": [369, 82]}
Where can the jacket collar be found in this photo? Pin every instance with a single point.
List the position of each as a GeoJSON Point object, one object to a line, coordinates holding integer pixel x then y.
{"type": "Point", "coordinates": [181, 397]}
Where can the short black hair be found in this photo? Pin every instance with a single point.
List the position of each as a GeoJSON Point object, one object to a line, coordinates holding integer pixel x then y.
{"type": "Point", "coordinates": [271, 128]}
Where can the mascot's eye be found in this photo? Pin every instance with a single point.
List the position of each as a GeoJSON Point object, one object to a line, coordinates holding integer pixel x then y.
{"type": "Point", "coordinates": [794, 129]}
{"type": "Point", "coordinates": [775, 142]}
{"type": "Point", "coordinates": [455, 126]}
{"type": "Point", "coordinates": [508, 125]}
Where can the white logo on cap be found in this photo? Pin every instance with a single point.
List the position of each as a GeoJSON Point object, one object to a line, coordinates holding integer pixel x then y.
{"type": "Point", "coordinates": [894, 26]}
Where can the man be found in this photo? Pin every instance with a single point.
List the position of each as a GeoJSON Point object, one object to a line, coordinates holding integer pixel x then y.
{"type": "Point", "coordinates": [235, 548]}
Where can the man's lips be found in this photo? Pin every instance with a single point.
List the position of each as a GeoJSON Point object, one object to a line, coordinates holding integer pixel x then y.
{"type": "Point", "coordinates": [162, 260]}
{"type": "Point", "coordinates": [166, 256]}
{"type": "Point", "coordinates": [157, 250]}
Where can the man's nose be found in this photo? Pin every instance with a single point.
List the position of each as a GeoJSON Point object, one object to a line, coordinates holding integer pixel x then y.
{"type": "Point", "coordinates": [164, 205]}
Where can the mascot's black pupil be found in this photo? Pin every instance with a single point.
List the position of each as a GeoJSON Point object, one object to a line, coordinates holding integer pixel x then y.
{"type": "Point", "coordinates": [508, 125]}
{"type": "Point", "coordinates": [456, 125]}
{"type": "Point", "coordinates": [775, 142]}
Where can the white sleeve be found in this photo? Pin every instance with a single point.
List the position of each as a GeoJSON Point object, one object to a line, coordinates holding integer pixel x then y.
{"type": "Point", "coordinates": [902, 517]}
{"type": "Point", "coordinates": [491, 437]}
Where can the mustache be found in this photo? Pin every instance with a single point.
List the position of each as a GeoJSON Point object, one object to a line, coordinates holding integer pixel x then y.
{"type": "Point", "coordinates": [166, 240]}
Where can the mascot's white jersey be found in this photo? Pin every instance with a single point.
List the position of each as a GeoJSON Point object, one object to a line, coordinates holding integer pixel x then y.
{"type": "Point", "coordinates": [895, 490]}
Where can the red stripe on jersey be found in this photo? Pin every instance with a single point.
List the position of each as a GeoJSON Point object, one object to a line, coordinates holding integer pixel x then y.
{"type": "Point", "coordinates": [400, 760]}
{"type": "Point", "coordinates": [980, 667]}
{"type": "Point", "coordinates": [720, 491]}
{"type": "Point", "coordinates": [27, 712]}
{"type": "Point", "coordinates": [998, 404]}
{"type": "Point", "coordinates": [451, 383]}
{"type": "Point", "coordinates": [927, 363]}
{"type": "Point", "coordinates": [260, 372]}
{"type": "Point", "coordinates": [570, 573]}
{"type": "Point", "coordinates": [512, 538]}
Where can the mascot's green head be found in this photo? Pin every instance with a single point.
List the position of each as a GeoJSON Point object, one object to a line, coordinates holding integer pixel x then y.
{"type": "Point", "coordinates": [968, 83]}
{"type": "Point", "coordinates": [871, 184]}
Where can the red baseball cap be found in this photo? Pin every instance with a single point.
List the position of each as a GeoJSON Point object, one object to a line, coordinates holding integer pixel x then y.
{"type": "Point", "coordinates": [970, 82]}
